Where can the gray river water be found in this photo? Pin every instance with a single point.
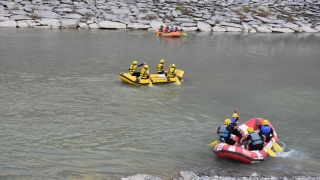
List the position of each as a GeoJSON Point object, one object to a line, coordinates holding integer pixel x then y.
{"type": "Point", "coordinates": [65, 114]}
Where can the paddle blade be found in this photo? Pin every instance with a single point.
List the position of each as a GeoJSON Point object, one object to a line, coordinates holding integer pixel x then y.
{"type": "Point", "coordinates": [277, 147]}
{"type": "Point", "coordinates": [178, 82]}
{"type": "Point", "coordinates": [185, 34]}
{"type": "Point", "coordinates": [213, 144]}
{"type": "Point", "coordinates": [150, 83]}
{"type": "Point", "coordinates": [270, 152]}
{"type": "Point", "coordinates": [157, 34]}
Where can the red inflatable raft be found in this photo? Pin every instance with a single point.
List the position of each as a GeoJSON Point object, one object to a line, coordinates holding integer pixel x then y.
{"type": "Point", "coordinates": [239, 153]}
{"type": "Point", "coordinates": [170, 34]}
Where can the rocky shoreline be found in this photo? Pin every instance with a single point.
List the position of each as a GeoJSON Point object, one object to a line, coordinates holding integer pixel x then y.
{"type": "Point", "coordinates": [262, 16]}
{"type": "Point", "coordinates": [225, 175]}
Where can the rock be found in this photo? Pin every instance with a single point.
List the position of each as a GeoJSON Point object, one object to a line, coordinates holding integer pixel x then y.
{"type": "Point", "coordinates": [263, 30]}
{"type": "Point", "coordinates": [93, 26]}
{"type": "Point", "coordinates": [233, 29]}
{"type": "Point", "coordinates": [308, 29]}
{"type": "Point", "coordinates": [282, 30]}
{"type": "Point", "coordinates": [111, 25]}
{"type": "Point", "coordinates": [188, 24]}
{"type": "Point", "coordinates": [69, 23]}
{"type": "Point", "coordinates": [9, 23]}
{"type": "Point", "coordinates": [83, 25]}
{"type": "Point", "coordinates": [202, 26]}
{"type": "Point", "coordinates": [263, 19]}
{"type": "Point", "coordinates": [137, 26]}
{"type": "Point", "coordinates": [218, 29]}
{"type": "Point", "coordinates": [231, 25]}
{"type": "Point", "coordinates": [184, 20]}
{"type": "Point", "coordinates": [188, 175]}
{"type": "Point", "coordinates": [22, 24]}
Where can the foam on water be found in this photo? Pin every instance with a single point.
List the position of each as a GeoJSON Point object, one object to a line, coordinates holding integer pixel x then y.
{"type": "Point", "coordinates": [292, 153]}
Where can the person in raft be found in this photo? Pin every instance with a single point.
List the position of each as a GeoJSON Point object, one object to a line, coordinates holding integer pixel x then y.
{"type": "Point", "coordinates": [161, 27]}
{"type": "Point", "coordinates": [144, 73]}
{"type": "Point", "coordinates": [133, 68]}
{"type": "Point", "coordinates": [172, 71]}
{"type": "Point", "coordinates": [235, 124]}
{"type": "Point", "coordinates": [265, 129]}
{"type": "Point", "coordinates": [224, 131]}
{"type": "Point", "coordinates": [254, 140]}
{"type": "Point", "coordinates": [160, 66]}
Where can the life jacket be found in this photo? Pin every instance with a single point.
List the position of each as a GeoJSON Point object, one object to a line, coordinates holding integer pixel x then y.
{"type": "Point", "coordinates": [133, 68]}
{"type": "Point", "coordinates": [171, 72]}
{"type": "Point", "coordinates": [160, 68]}
{"type": "Point", "coordinates": [223, 132]}
{"type": "Point", "coordinates": [265, 130]}
{"type": "Point", "coordinates": [144, 73]}
{"type": "Point", "coordinates": [233, 120]}
{"type": "Point", "coordinates": [256, 139]}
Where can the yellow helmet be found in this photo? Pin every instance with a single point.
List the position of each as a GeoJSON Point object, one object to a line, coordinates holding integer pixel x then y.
{"type": "Point", "coordinates": [250, 130]}
{"type": "Point", "coordinates": [227, 122]}
{"type": "Point", "coordinates": [134, 62]}
{"type": "Point", "coordinates": [265, 122]}
{"type": "Point", "coordinates": [146, 66]}
{"type": "Point", "coordinates": [173, 65]}
{"type": "Point", "coordinates": [161, 61]}
{"type": "Point", "coordinates": [235, 115]}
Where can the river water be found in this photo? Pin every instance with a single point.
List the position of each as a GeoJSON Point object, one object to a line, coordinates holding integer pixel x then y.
{"type": "Point", "coordinates": [65, 114]}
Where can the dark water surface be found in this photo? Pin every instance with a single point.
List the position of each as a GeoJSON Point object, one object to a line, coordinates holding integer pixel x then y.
{"type": "Point", "coordinates": [66, 115]}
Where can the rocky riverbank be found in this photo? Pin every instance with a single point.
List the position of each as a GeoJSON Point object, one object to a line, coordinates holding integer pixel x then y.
{"type": "Point", "coordinates": [264, 16]}
{"type": "Point", "coordinates": [186, 175]}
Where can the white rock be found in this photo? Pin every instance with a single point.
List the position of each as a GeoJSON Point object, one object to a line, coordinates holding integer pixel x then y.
{"type": "Point", "coordinates": [188, 175]}
{"type": "Point", "coordinates": [20, 17]}
{"type": "Point", "coordinates": [308, 29]}
{"type": "Point", "coordinates": [137, 26]}
{"type": "Point", "coordinates": [282, 30]}
{"type": "Point", "coordinates": [263, 29]}
{"type": "Point", "coordinates": [202, 26]}
{"type": "Point", "coordinates": [143, 177]}
{"type": "Point", "coordinates": [317, 28]}
{"type": "Point", "coordinates": [185, 20]}
{"type": "Point", "coordinates": [189, 28]}
{"type": "Point", "coordinates": [8, 24]}
{"type": "Point", "coordinates": [233, 29]}
{"type": "Point", "coordinates": [231, 25]}
{"type": "Point", "coordinates": [111, 25]}
{"type": "Point", "coordinates": [22, 24]}
{"type": "Point", "coordinates": [93, 26]}
{"type": "Point", "coordinates": [188, 24]}
{"type": "Point", "coordinates": [50, 22]}
{"type": "Point", "coordinates": [69, 23]}
{"type": "Point", "coordinates": [120, 11]}
{"type": "Point", "coordinates": [263, 19]}
{"type": "Point", "coordinates": [218, 29]}
{"type": "Point", "coordinates": [290, 25]}
{"type": "Point", "coordinates": [47, 14]}
{"type": "Point", "coordinates": [83, 26]}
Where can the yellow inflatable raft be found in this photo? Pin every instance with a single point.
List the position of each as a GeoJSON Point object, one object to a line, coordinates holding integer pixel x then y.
{"type": "Point", "coordinates": [155, 78]}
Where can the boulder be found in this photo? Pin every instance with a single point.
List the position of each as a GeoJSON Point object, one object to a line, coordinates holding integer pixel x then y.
{"type": "Point", "coordinates": [218, 29]}
{"type": "Point", "coordinates": [9, 23]}
{"type": "Point", "coordinates": [282, 30]}
{"type": "Point", "coordinates": [69, 23]}
{"type": "Point", "coordinates": [202, 26]}
{"type": "Point", "coordinates": [111, 25]}
{"type": "Point", "coordinates": [308, 29]}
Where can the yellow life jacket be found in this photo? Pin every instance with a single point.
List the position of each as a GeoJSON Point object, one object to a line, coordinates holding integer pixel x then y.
{"type": "Point", "coordinates": [133, 68]}
{"type": "Point", "coordinates": [171, 72]}
{"type": "Point", "coordinates": [144, 73]}
{"type": "Point", "coordinates": [160, 67]}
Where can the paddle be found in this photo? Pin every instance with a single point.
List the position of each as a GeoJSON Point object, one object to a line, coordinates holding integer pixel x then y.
{"type": "Point", "coordinates": [214, 143]}
{"type": "Point", "coordinates": [270, 152]}
{"type": "Point", "coordinates": [150, 83]}
{"type": "Point", "coordinates": [158, 34]}
{"type": "Point", "coordinates": [185, 34]}
{"type": "Point", "coordinates": [276, 146]}
{"type": "Point", "coordinates": [177, 81]}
